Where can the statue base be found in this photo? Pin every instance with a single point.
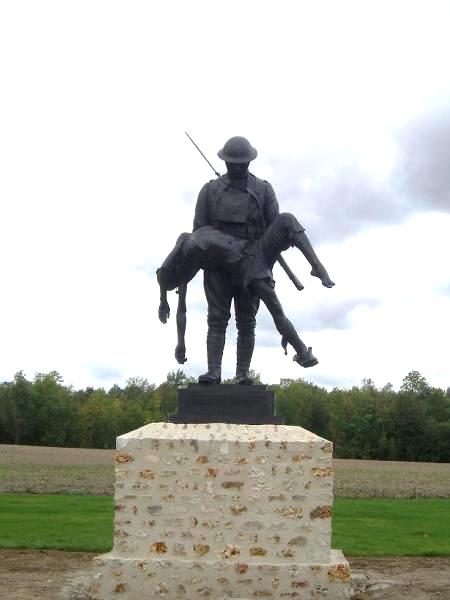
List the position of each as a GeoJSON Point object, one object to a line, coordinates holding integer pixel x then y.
{"type": "Point", "coordinates": [226, 403]}
{"type": "Point", "coordinates": [222, 511]}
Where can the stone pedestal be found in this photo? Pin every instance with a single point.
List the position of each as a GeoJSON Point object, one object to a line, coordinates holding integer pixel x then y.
{"type": "Point", "coordinates": [222, 511]}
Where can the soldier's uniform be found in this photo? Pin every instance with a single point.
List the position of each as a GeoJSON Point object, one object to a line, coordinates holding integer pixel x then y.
{"type": "Point", "coordinates": [244, 214]}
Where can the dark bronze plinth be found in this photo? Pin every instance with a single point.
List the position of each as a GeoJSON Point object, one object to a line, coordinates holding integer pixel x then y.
{"type": "Point", "coordinates": [227, 403]}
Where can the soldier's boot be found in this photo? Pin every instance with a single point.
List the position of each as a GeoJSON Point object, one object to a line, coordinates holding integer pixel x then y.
{"type": "Point", "coordinates": [301, 241]}
{"type": "Point", "coordinates": [245, 346]}
{"type": "Point", "coordinates": [215, 343]}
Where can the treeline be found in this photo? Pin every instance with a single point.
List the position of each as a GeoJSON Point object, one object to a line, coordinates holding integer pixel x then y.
{"type": "Point", "coordinates": [369, 423]}
{"type": "Point", "coordinates": [412, 424]}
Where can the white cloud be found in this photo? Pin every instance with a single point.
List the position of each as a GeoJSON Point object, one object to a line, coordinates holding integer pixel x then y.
{"type": "Point", "coordinates": [98, 178]}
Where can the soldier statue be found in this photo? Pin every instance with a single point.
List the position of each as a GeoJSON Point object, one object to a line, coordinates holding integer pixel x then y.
{"type": "Point", "coordinates": [237, 237]}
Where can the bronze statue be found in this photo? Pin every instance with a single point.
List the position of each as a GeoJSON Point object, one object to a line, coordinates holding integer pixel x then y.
{"type": "Point", "coordinates": [238, 235]}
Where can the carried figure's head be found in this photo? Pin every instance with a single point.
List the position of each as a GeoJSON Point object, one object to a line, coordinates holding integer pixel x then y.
{"type": "Point", "coordinates": [237, 154]}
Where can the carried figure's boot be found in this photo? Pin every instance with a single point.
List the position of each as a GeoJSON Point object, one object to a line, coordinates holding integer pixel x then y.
{"type": "Point", "coordinates": [245, 346]}
{"type": "Point", "coordinates": [304, 356]}
{"type": "Point", "coordinates": [215, 343]}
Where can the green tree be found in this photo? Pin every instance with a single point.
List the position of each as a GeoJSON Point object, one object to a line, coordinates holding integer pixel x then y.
{"type": "Point", "coordinates": [408, 417]}
{"type": "Point", "coordinates": [18, 410]}
{"type": "Point", "coordinates": [178, 379]}
{"type": "Point", "coordinates": [415, 383]}
{"type": "Point", "coordinates": [101, 420]}
{"type": "Point", "coordinates": [56, 420]}
{"type": "Point", "coordinates": [302, 403]}
{"type": "Point", "coordinates": [254, 376]}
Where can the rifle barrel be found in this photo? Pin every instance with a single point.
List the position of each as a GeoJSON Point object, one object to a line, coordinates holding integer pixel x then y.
{"type": "Point", "coordinates": [215, 172]}
{"type": "Point", "coordinates": [292, 276]}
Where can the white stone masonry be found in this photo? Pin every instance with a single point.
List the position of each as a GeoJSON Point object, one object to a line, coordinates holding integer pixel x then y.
{"type": "Point", "coordinates": [222, 511]}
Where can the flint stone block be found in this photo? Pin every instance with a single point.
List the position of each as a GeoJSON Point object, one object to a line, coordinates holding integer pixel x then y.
{"type": "Point", "coordinates": [222, 511]}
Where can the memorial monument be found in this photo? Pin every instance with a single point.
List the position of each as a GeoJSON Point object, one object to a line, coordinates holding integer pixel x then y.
{"type": "Point", "coordinates": [237, 237]}
{"type": "Point", "coordinates": [225, 501]}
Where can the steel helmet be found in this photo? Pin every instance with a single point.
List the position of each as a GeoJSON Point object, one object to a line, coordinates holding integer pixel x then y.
{"type": "Point", "coordinates": [237, 150]}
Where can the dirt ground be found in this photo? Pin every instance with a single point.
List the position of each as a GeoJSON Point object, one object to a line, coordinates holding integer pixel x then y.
{"type": "Point", "coordinates": [44, 455]}
{"type": "Point", "coordinates": [55, 575]}
{"type": "Point", "coordinates": [40, 470]}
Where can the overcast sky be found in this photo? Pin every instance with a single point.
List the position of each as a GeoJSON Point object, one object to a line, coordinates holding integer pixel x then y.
{"type": "Point", "coordinates": [348, 104]}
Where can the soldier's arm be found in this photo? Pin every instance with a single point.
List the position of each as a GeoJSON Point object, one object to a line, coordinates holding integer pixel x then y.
{"type": "Point", "coordinates": [202, 216]}
{"type": "Point", "coordinates": [271, 207]}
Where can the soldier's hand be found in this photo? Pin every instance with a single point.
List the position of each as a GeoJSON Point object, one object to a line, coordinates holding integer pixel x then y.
{"type": "Point", "coordinates": [322, 274]}
{"type": "Point", "coordinates": [163, 311]}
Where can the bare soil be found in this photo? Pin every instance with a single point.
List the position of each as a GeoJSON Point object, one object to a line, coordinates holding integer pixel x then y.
{"type": "Point", "coordinates": [44, 455]}
{"type": "Point", "coordinates": [390, 479]}
{"type": "Point", "coordinates": [41, 470]}
{"type": "Point", "coordinates": [55, 575]}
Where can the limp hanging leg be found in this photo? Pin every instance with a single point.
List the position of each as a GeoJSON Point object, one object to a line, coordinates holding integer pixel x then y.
{"type": "Point", "coordinates": [286, 231]}
{"type": "Point", "coordinates": [301, 241]}
{"type": "Point", "coordinates": [263, 289]}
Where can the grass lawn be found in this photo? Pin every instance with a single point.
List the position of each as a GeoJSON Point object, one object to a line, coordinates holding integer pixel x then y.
{"type": "Point", "coordinates": [78, 523]}
{"type": "Point", "coordinates": [383, 527]}
{"type": "Point", "coordinates": [377, 527]}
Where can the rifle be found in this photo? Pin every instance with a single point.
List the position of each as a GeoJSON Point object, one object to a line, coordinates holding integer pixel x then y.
{"type": "Point", "coordinates": [283, 264]}
{"type": "Point", "coordinates": [290, 273]}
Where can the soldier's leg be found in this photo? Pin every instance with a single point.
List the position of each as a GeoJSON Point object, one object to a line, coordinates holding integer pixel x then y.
{"type": "Point", "coordinates": [266, 292]}
{"type": "Point", "coordinates": [246, 306]}
{"type": "Point", "coordinates": [218, 293]}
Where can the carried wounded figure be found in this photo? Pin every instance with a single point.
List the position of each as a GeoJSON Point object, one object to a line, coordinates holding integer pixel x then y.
{"type": "Point", "coordinates": [238, 236]}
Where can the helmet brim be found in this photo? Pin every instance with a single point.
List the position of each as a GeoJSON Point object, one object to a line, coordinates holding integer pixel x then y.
{"type": "Point", "coordinates": [242, 159]}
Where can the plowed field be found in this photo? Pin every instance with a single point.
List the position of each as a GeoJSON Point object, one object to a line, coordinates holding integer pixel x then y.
{"type": "Point", "coordinates": [35, 469]}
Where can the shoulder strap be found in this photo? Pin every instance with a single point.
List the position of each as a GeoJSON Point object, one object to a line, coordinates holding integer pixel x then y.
{"type": "Point", "coordinates": [214, 185]}
{"type": "Point", "coordinates": [256, 188]}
